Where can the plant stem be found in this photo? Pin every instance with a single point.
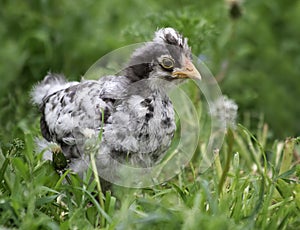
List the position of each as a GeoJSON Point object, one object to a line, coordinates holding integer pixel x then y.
{"type": "Point", "coordinates": [230, 139]}
{"type": "Point", "coordinates": [98, 184]}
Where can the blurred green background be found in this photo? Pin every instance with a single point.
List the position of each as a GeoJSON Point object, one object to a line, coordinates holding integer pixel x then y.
{"type": "Point", "coordinates": [252, 47]}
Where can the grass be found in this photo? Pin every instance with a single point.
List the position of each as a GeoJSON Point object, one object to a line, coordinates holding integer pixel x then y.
{"type": "Point", "coordinates": [249, 186]}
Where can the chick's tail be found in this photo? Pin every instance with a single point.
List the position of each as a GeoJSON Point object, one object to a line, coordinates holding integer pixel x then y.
{"type": "Point", "coordinates": [52, 83]}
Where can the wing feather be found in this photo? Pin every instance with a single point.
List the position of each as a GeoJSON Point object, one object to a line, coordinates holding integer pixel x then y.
{"type": "Point", "coordinates": [68, 114]}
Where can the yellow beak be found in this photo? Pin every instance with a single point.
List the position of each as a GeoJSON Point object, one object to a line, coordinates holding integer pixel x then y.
{"type": "Point", "coordinates": [188, 71]}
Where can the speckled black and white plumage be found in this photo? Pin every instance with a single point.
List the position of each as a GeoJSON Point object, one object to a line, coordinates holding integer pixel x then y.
{"type": "Point", "coordinates": [138, 116]}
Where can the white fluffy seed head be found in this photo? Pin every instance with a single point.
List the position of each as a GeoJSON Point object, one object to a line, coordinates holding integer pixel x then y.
{"type": "Point", "coordinates": [224, 111]}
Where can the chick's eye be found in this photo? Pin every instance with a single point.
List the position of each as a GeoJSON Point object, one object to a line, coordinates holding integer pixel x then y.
{"type": "Point", "coordinates": [167, 63]}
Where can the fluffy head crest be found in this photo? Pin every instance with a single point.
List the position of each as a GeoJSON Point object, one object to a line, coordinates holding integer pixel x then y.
{"type": "Point", "coordinates": [172, 37]}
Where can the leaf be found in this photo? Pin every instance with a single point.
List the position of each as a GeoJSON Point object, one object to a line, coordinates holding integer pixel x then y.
{"type": "Point", "coordinates": [110, 203]}
{"type": "Point", "coordinates": [29, 146]}
{"type": "Point", "coordinates": [21, 167]}
{"type": "Point", "coordinates": [297, 195]}
{"type": "Point", "coordinates": [45, 200]}
{"type": "Point", "coordinates": [287, 157]}
{"type": "Point", "coordinates": [79, 221]}
{"type": "Point", "coordinates": [181, 192]}
{"type": "Point", "coordinates": [284, 188]}
{"type": "Point", "coordinates": [2, 172]}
